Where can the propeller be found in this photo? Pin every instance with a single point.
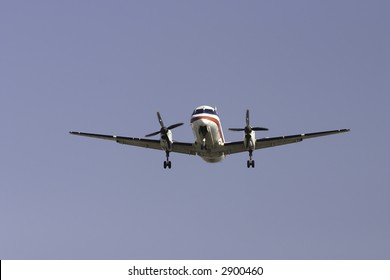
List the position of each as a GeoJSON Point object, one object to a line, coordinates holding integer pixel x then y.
{"type": "Point", "coordinates": [164, 130]}
{"type": "Point", "coordinates": [248, 129]}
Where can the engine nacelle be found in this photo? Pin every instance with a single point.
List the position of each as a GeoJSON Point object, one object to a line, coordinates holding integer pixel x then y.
{"type": "Point", "coordinates": [166, 141]}
{"type": "Point", "coordinates": [250, 140]}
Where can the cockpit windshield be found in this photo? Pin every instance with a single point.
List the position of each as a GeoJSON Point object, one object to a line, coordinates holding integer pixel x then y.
{"type": "Point", "coordinates": [204, 110]}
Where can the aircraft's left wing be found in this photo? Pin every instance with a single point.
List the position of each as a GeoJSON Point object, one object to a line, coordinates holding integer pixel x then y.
{"type": "Point", "coordinates": [177, 147]}
{"type": "Point", "coordinates": [237, 147]}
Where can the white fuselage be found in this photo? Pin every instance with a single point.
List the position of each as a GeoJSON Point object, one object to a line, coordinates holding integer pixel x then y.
{"type": "Point", "coordinates": [208, 133]}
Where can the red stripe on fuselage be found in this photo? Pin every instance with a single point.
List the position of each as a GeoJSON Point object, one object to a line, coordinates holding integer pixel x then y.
{"type": "Point", "coordinates": [216, 121]}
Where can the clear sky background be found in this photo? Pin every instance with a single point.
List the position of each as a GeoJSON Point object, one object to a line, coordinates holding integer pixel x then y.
{"type": "Point", "coordinates": [109, 66]}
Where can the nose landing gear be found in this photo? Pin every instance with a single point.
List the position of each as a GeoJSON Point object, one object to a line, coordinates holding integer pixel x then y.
{"type": "Point", "coordinates": [203, 145]}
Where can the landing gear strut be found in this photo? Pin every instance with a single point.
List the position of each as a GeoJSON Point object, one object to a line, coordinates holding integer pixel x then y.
{"type": "Point", "coordinates": [167, 163]}
{"type": "Point", "coordinates": [203, 145]}
{"type": "Point", "coordinates": [250, 162]}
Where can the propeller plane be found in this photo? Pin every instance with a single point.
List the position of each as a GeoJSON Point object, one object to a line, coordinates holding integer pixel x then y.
{"type": "Point", "coordinates": [209, 142]}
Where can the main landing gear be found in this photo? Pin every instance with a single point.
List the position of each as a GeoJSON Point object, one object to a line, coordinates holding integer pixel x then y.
{"type": "Point", "coordinates": [250, 162]}
{"type": "Point", "coordinates": [167, 163]}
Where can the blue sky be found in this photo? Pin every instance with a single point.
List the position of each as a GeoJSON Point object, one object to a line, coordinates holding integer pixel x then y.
{"type": "Point", "coordinates": [108, 66]}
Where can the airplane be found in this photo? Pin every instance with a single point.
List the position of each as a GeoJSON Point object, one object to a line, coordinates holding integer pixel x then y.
{"type": "Point", "coordinates": [210, 142]}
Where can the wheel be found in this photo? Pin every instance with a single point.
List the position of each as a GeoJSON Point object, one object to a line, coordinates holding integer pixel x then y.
{"type": "Point", "coordinates": [250, 163]}
{"type": "Point", "coordinates": [168, 164]}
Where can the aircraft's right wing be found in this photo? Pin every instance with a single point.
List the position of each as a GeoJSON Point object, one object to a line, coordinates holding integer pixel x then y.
{"type": "Point", "coordinates": [177, 147]}
{"type": "Point", "coordinates": [237, 147]}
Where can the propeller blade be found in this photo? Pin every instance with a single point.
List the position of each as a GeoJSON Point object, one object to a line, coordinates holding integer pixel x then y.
{"type": "Point", "coordinates": [259, 128]}
{"type": "Point", "coordinates": [152, 134]}
{"type": "Point", "coordinates": [175, 125]}
{"type": "Point", "coordinates": [247, 117]}
{"type": "Point", "coordinates": [236, 129]}
{"type": "Point", "coordinates": [160, 119]}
